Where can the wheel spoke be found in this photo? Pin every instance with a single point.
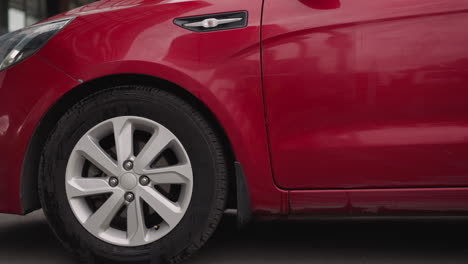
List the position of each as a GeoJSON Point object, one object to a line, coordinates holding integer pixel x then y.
{"type": "Point", "coordinates": [179, 174]}
{"type": "Point", "coordinates": [136, 228]}
{"type": "Point", "coordinates": [100, 220]}
{"type": "Point", "coordinates": [81, 187]}
{"type": "Point", "coordinates": [157, 144]}
{"type": "Point", "coordinates": [171, 213]}
{"type": "Point", "coordinates": [123, 134]}
{"type": "Point", "coordinates": [96, 155]}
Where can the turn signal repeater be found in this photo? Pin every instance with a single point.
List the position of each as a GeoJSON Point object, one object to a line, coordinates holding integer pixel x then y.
{"type": "Point", "coordinates": [214, 22]}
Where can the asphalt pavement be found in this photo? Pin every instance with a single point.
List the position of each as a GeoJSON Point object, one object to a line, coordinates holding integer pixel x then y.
{"type": "Point", "coordinates": [28, 239]}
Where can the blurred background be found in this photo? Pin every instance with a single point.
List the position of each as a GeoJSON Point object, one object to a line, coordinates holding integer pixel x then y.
{"type": "Point", "coordinates": [16, 14]}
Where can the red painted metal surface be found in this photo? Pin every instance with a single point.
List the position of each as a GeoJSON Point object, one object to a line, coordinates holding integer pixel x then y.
{"type": "Point", "coordinates": [221, 68]}
{"type": "Point", "coordinates": [367, 94]}
{"type": "Point", "coordinates": [362, 202]}
{"type": "Point", "coordinates": [357, 94]}
{"type": "Point", "coordinates": [27, 90]}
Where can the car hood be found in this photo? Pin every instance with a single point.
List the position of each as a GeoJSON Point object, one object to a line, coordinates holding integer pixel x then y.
{"type": "Point", "coordinates": [109, 5]}
{"type": "Point", "coordinates": [112, 5]}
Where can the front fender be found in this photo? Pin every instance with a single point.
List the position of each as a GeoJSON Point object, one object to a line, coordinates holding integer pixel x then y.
{"type": "Point", "coordinates": [222, 69]}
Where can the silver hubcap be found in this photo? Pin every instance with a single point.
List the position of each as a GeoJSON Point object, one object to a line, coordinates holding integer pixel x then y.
{"type": "Point", "coordinates": [129, 181]}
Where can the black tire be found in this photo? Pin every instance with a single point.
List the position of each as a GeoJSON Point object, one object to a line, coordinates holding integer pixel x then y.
{"type": "Point", "coordinates": [203, 145]}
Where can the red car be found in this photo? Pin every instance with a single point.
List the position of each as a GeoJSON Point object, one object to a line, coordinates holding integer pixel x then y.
{"type": "Point", "coordinates": [135, 123]}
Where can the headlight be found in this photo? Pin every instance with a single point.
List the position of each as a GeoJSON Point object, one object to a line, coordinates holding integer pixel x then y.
{"type": "Point", "coordinates": [19, 45]}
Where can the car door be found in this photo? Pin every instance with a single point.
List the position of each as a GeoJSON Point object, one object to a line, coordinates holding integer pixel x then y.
{"type": "Point", "coordinates": [366, 93]}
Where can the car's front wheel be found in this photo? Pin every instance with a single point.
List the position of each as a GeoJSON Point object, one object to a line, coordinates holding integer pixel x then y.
{"type": "Point", "coordinates": [133, 174]}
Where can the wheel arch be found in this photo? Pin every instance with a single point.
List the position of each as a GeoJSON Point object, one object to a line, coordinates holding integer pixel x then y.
{"type": "Point", "coordinates": [29, 177]}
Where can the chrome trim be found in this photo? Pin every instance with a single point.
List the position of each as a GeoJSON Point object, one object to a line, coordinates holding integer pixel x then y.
{"type": "Point", "coordinates": [213, 22]}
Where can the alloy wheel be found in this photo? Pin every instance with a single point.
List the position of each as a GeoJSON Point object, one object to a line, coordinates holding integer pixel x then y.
{"type": "Point", "coordinates": [129, 181]}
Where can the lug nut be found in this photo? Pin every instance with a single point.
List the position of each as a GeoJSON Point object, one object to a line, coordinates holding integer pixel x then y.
{"type": "Point", "coordinates": [113, 181]}
{"type": "Point", "coordinates": [129, 197]}
{"type": "Point", "coordinates": [128, 165]}
{"type": "Point", "coordinates": [144, 180]}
